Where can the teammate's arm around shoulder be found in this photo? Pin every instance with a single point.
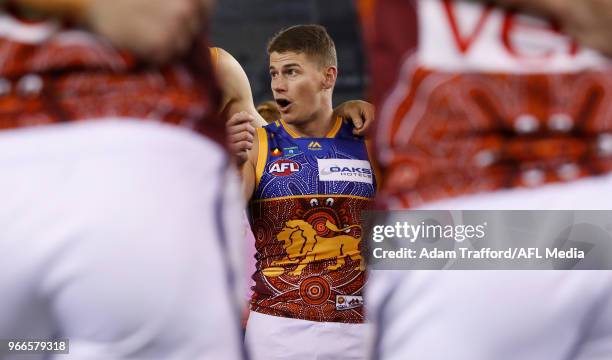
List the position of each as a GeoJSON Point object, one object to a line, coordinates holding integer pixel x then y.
{"type": "Point", "coordinates": [361, 114]}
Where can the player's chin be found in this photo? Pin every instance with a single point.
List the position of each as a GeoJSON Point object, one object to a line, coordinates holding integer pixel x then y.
{"type": "Point", "coordinates": [288, 117]}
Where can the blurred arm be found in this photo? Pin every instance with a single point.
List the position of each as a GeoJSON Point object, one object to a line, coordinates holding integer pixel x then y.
{"type": "Point", "coordinates": [78, 8]}
{"type": "Point", "coordinates": [588, 21]}
{"type": "Point", "coordinates": [156, 31]}
{"type": "Point", "coordinates": [63, 8]}
{"type": "Point", "coordinates": [550, 8]}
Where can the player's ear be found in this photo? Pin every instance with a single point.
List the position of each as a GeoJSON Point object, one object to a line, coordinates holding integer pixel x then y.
{"type": "Point", "coordinates": [330, 74]}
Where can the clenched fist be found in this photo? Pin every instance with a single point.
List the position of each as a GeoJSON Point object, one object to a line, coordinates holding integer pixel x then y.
{"type": "Point", "coordinates": [241, 135]}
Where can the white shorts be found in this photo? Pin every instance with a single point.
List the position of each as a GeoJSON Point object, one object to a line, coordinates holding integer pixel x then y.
{"type": "Point", "coordinates": [275, 338]}
{"type": "Point", "coordinates": [113, 235]}
{"type": "Point", "coordinates": [498, 315]}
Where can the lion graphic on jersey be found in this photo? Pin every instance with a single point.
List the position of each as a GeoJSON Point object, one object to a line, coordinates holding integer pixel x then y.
{"type": "Point", "coordinates": [303, 246]}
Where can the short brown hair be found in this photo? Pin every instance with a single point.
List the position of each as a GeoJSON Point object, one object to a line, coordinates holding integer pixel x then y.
{"type": "Point", "coordinates": [312, 40]}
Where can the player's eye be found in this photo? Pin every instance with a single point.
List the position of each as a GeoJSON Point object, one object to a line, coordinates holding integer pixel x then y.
{"type": "Point", "coordinates": [329, 202]}
{"type": "Point", "coordinates": [314, 202]}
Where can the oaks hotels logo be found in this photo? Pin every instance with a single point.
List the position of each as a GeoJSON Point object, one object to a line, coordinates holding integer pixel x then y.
{"type": "Point", "coordinates": [345, 170]}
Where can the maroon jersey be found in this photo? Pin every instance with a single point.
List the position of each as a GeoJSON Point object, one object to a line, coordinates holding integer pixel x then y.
{"type": "Point", "coordinates": [475, 98]}
{"type": "Point", "coordinates": [50, 74]}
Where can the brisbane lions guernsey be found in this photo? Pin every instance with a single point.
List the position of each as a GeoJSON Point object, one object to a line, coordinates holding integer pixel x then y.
{"type": "Point", "coordinates": [305, 214]}
{"type": "Point", "coordinates": [475, 98]}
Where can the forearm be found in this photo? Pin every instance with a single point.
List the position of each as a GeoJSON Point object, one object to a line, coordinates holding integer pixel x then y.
{"type": "Point", "coordinates": [587, 21]}
{"type": "Point", "coordinates": [156, 31]}
{"type": "Point", "coordinates": [546, 8]}
{"type": "Point", "coordinates": [244, 104]}
{"type": "Point", "coordinates": [74, 9]}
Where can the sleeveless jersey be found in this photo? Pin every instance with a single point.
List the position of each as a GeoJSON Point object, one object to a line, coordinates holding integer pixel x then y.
{"type": "Point", "coordinates": [475, 98]}
{"type": "Point", "coordinates": [305, 214]}
{"type": "Point", "coordinates": [51, 73]}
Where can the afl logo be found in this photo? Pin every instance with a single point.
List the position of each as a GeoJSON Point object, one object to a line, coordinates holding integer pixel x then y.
{"type": "Point", "coordinates": [284, 167]}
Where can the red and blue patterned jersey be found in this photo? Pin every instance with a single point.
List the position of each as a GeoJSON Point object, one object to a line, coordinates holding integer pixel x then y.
{"type": "Point", "coordinates": [51, 73]}
{"type": "Point", "coordinates": [305, 214]}
{"type": "Point", "coordinates": [475, 98]}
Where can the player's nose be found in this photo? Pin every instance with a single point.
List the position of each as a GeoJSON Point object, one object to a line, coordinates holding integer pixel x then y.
{"type": "Point", "coordinates": [279, 85]}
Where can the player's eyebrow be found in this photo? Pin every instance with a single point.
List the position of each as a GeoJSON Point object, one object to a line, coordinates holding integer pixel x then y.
{"type": "Point", "coordinates": [287, 66]}
{"type": "Point", "coordinates": [291, 65]}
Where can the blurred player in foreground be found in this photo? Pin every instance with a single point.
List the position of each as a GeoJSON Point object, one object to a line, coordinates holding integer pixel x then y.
{"type": "Point", "coordinates": [497, 110]}
{"type": "Point", "coordinates": [115, 183]}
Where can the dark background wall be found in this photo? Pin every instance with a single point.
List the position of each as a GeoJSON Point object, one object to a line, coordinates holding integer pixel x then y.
{"type": "Point", "coordinates": [243, 28]}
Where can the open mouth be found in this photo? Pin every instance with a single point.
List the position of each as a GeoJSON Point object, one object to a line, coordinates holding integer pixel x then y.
{"type": "Point", "coordinates": [283, 104]}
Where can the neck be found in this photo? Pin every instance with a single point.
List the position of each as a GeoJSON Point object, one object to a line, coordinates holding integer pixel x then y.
{"type": "Point", "coordinates": [318, 126]}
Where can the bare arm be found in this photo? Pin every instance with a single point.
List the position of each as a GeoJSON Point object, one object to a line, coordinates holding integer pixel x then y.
{"type": "Point", "coordinates": [361, 113]}
{"type": "Point", "coordinates": [545, 7]}
{"type": "Point", "coordinates": [588, 21]}
{"type": "Point", "coordinates": [78, 8]}
{"type": "Point", "coordinates": [61, 8]}
{"type": "Point", "coordinates": [154, 30]}
{"type": "Point", "coordinates": [237, 96]}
